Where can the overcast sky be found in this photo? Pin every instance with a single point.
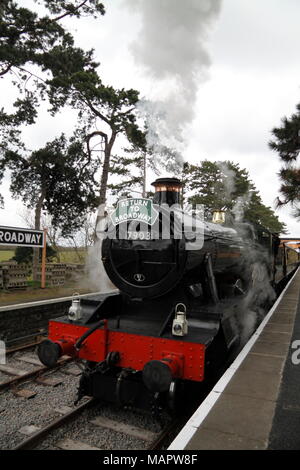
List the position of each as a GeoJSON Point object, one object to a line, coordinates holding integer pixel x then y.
{"type": "Point", "coordinates": [253, 80]}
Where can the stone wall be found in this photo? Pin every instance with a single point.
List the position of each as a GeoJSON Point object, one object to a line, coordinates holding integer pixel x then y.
{"type": "Point", "coordinates": [16, 322]}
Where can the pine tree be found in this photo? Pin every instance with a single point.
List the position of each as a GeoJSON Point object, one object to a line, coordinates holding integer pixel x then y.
{"type": "Point", "coordinates": [107, 114]}
{"type": "Point", "coordinates": [35, 48]}
{"type": "Point", "coordinates": [29, 39]}
{"type": "Point", "coordinates": [226, 186]}
{"type": "Point", "coordinates": [55, 178]}
{"type": "Point", "coordinates": [286, 142]}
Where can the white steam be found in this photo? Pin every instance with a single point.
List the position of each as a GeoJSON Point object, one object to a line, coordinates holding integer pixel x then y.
{"type": "Point", "coordinates": [241, 202]}
{"type": "Point", "coordinates": [97, 277]}
{"type": "Point", "coordinates": [259, 293]}
{"type": "Point", "coordinates": [259, 298]}
{"type": "Point", "coordinates": [228, 179]}
{"type": "Point", "coordinates": [172, 47]}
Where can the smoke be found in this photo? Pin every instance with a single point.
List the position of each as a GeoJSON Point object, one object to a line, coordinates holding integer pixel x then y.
{"type": "Point", "coordinates": [259, 298]}
{"type": "Point", "coordinates": [239, 207]}
{"type": "Point", "coordinates": [164, 135]}
{"type": "Point", "coordinates": [258, 291]}
{"type": "Point", "coordinates": [229, 182]}
{"type": "Point", "coordinates": [228, 179]}
{"type": "Point", "coordinates": [172, 48]}
{"type": "Point", "coordinates": [97, 278]}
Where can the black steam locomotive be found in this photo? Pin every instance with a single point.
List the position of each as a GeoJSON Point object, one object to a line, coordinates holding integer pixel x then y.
{"type": "Point", "coordinates": [185, 289]}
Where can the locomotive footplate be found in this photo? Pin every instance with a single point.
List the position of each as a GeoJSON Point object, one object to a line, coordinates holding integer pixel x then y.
{"type": "Point", "coordinates": [185, 358]}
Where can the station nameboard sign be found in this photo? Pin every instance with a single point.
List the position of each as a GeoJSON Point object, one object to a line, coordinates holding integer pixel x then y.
{"type": "Point", "coordinates": [21, 237]}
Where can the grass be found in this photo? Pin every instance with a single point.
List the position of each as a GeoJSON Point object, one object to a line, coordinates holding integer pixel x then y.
{"type": "Point", "coordinates": [6, 255]}
{"type": "Point", "coordinates": [66, 256]}
{"type": "Point", "coordinates": [71, 256]}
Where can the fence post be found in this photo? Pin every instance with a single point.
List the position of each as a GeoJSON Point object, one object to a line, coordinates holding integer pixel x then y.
{"type": "Point", "coordinates": [43, 283]}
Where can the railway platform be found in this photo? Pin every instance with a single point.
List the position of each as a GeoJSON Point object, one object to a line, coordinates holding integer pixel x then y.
{"type": "Point", "coordinates": [256, 403]}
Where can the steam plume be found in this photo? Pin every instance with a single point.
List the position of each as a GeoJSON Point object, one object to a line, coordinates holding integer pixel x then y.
{"type": "Point", "coordinates": [171, 46]}
{"type": "Point", "coordinates": [97, 277]}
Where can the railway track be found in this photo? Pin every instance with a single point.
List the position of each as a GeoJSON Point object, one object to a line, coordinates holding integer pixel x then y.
{"type": "Point", "coordinates": [53, 422]}
{"type": "Point", "coordinates": [26, 387]}
{"type": "Point", "coordinates": [20, 375]}
{"type": "Point", "coordinates": [25, 342]}
{"type": "Point", "coordinates": [101, 424]}
{"type": "Point", "coordinates": [37, 409]}
{"type": "Point", "coordinates": [40, 434]}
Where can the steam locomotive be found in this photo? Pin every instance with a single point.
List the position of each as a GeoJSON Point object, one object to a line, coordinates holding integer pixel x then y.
{"type": "Point", "coordinates": [182, 300]}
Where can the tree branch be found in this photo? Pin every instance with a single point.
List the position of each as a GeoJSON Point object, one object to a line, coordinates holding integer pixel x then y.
{"type": "Point", "coordinates": [3, 72]}
{"type": "Point", "coordinates": [30, 73]}
{"type": "Point", "coordinates": [98, 113]}
{"type": "Point", "coordinates": [88, 138]}
{"type": "Point", "coordinates": [68, 13]}
{"type": "Point", "coordinates": [126, 112]}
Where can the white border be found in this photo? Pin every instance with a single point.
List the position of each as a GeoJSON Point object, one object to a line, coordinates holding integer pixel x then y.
{"type": "Point", "coordinates": [188, 431]}
{"type": "Point", "coordinates": [49, 301]}
{"type": "Point", "coordinates": [17, 244]}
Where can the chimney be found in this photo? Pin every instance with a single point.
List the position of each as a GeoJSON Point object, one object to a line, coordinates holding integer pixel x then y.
{"type": "Point", "coordinates": [167, 191]}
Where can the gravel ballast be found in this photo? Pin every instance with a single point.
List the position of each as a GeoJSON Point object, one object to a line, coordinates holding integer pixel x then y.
{"type": "Point", "coordinates": [17, 412]}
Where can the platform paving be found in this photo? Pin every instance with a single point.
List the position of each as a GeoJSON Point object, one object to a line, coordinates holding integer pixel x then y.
{"type": "Point", "coordinates": [285, 432]}
{"type": "Point", "coordinates": [260, 406]}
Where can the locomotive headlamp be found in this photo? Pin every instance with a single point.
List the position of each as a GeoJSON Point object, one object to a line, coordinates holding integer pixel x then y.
{"type": "Point", "coordinates": [177, 329]}
{"type": "Point", "coordinates": [75, 313]}
{"type": "Point", "coordinates": [219, 217]}
{"type": "Point", "coordinates": [180, 326]}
